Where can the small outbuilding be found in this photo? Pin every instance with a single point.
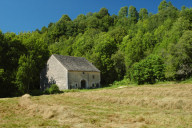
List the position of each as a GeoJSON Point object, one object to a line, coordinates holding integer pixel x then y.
{"type": "Point", "coordinates": [69, 73]}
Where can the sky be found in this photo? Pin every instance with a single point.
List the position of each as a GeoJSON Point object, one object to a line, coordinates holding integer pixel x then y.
{"type": "Point", "coordinates": [28, 15]}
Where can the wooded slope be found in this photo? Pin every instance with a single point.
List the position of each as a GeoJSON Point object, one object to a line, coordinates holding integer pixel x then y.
{"type": "Point", "coordinates": [135, 45]}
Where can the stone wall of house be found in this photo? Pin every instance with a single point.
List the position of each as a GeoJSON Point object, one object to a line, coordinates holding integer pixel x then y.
{"type": "Point", "coordinates": [55, 73]}
{"type": "Point", "coordinates": [92, 79]}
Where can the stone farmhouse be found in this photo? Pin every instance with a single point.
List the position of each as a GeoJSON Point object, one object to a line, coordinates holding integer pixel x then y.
{"type": "Point", "coordinates": [69, 73]}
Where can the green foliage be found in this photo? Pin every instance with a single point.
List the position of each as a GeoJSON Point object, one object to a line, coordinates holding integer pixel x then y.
{"type": "Point", "coordinates": [84, 42]}
{"type": "Point", "coordinates": [104, 48]}
{"type": "Point", "coordinates": [1, 72]}
{"type": "Point", "coordinates": [25, 73]}
{"type": "Point", "coordinates": [80, 23]}
{"type": "Point", "coordinates": [134, 50]}
{"type": "Point", "coordinates": [103, 12]}
{"type": "Point", "coordinates": [118, 34]}
{"type": "Point", "coordinates": [143, 14]}
{"type": "Point", "coordinates": [123, 82]}
{"type": "Point", "coordinates": [54, 89]}
{"type": "Point", "coordinates": [64, 18]}
{"type": "Point", "coordinates": [187, 13]}
{"type": "Point", "coordinates": [167, 10]}
{"type": "Point", "coordinates": [163, 5]}
{"type": "Point", "coordinates": [123, 12]}
{"type": "Point", "coordinates": [133, 14]}
{"type": "Point", "coordinates": [119, 64]}
{"type": "Point", "coordinates": [93, 22]}
{"type": "Point", "coordinates": [148, 70]}
{"type": "Point", "coordinates": [180, 58]}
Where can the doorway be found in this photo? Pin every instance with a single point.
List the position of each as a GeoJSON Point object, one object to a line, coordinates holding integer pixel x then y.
{"type": "Point", "coordinates": [83, 84]}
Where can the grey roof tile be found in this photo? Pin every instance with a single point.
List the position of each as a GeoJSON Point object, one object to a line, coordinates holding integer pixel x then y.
{"type": "Point", "coordinates": [76, 63]}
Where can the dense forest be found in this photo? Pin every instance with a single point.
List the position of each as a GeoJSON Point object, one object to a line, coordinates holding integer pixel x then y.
{"type": "Point", "coordinates": [135, 45]}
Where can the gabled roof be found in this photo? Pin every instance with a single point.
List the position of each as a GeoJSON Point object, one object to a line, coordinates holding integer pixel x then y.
{"type": "Point", "coordinates": [76, 63]}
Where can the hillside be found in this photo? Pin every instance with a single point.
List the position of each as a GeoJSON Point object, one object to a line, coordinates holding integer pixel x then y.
{"type": "Point", "coordinates": [134, 107]}
{"type": "Point", "coordinates": [135, 45]}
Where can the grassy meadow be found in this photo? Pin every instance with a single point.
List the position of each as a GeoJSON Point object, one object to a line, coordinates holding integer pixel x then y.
{"type": "Point", "coordinates": [162, 105]}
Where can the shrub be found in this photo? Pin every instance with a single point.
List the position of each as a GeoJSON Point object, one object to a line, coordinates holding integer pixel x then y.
{"type": "Point", "coordinates": [149, 70]}
{"type": "Point", "coordinates": [52, 90]}
{"type": "Point", "coordinates": [123, 82]}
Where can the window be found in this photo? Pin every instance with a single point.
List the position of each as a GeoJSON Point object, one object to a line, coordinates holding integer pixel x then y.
{"type": "Point", "coordinates": [83, 72]}
{"type": "Point", "coordinates": [93, 76]}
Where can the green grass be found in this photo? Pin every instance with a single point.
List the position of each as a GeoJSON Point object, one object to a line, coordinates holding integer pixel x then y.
{"type": "Point", "coordinates": [187, 81]}
{"type": "Point", "coordinates": [116, 84]}
{"type": "Point", "coordinates": [127, 83]}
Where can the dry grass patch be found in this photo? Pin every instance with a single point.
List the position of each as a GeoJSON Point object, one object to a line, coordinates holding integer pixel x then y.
{"type": "Point", "coordinates": [144, 106]}
{"type": "Point", "coordinates": [13, 115]}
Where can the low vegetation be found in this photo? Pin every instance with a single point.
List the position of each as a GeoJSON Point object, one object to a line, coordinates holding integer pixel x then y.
{"type": "Point", "coordinates": [162, 105]}
{"type": "Point", "coordinates": [54, 89]}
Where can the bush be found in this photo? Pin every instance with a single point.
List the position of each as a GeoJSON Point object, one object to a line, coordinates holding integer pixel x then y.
{"type": "Point", "coordinates": [149, 70]}
{"type": "Point", "coordinates": [123, 82]}
{"type": "Point", "coordinates": [52, 90]}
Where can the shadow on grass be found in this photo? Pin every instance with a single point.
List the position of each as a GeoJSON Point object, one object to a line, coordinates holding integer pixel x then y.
{"type": "Point", "coordinates": [37, 92]}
